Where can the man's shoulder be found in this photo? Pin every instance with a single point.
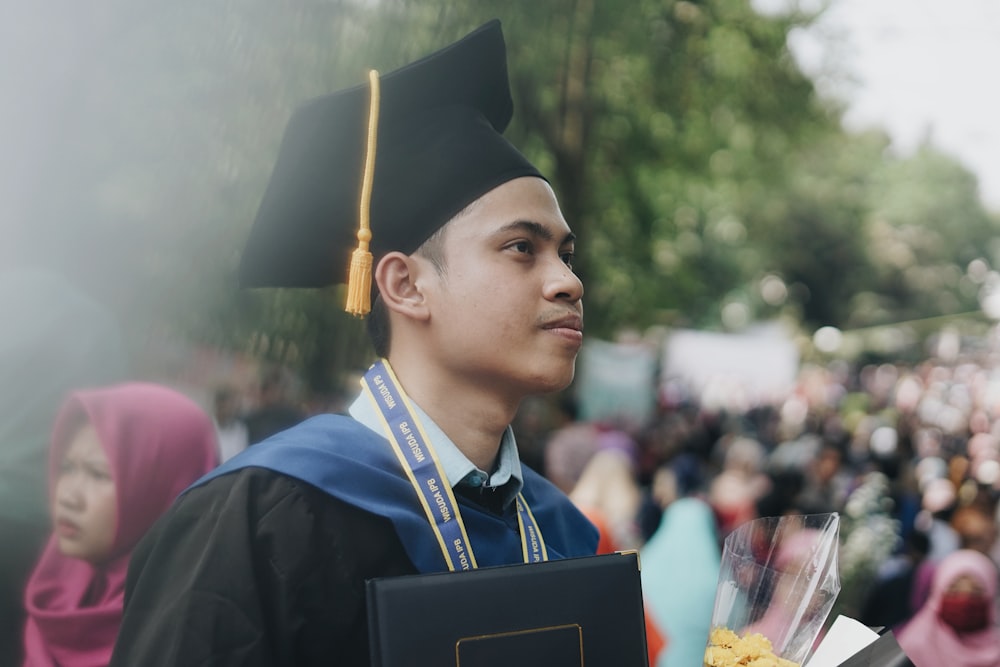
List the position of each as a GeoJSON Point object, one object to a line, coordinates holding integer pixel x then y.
{"type": "Point", "coordinates": [252, 490]}
{"type": "Point", "coordinates": [333, 453]}
{"type": "Point", "coordinates": [318, 441]}
{"type": "Point", "coordinates": [323, 431]}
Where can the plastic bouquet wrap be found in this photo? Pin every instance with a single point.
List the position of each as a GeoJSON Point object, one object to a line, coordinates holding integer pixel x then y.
{"type": "Point", "coordinates": [777, 585]}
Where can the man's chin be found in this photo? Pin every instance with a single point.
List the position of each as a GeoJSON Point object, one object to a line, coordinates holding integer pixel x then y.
{"type": "Point", "coordinates": [555, 381]}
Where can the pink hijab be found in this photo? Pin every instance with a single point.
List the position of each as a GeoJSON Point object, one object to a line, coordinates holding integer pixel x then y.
{"type": "Point", "coordinates": [157, 442]}
{"type": "Point", "coordinates": [929, 642]}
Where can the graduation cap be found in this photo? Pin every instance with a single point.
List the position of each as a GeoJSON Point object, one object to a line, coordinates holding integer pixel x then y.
{"type": "Point", "coordinates": [402, 155]}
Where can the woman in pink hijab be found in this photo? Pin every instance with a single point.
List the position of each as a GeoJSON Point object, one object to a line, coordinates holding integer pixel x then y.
{"type": "Point", "coordinates": [957, 625]}
{"type": "Point", "coordinates": [119, 457]}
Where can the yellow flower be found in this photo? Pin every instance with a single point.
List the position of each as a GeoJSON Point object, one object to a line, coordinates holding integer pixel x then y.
{"type": "Point", "coordinates": [727, 649]}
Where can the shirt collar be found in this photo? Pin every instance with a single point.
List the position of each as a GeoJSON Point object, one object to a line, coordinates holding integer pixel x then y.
{"type": "Point", "coordinates": [457, 467]}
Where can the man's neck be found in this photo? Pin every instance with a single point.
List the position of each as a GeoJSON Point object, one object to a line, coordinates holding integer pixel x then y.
{"type": "Point", "coordinates": [472, 416]}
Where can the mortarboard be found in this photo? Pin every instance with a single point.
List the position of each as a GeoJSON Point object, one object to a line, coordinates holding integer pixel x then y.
{"type": "Point", "coordinates": [437, 146]}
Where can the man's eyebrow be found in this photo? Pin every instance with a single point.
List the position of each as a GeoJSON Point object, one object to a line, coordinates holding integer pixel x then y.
{"type": "Point", "coordinates": [535, 229]}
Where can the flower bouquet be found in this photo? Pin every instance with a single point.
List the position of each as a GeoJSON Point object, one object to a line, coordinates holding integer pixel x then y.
{"type": "Point", "coordinates": [778, 582]}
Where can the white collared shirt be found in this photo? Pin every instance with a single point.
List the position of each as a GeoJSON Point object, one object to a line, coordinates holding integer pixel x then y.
{"type": "Point", "coordinates": [457, 467]}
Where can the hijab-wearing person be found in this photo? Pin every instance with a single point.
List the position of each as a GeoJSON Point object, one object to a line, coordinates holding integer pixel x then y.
{"type": "Point", "coordinates": [119, 457]}
{"type": "Point", "coordinates": [680, 572]}
{"type": "Point", "coordinates": [607, 491]}
{"type": "Point", "coordinates": [957, 624]}
{"type": "Point", "coordinates": [55, 338]}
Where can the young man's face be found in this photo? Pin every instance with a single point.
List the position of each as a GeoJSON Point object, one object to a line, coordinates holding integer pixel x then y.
{"type": "Point", "coordinates": [507, 308]}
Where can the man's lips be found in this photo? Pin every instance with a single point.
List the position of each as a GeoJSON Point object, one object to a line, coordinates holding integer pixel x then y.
{"type": "Point", "coordinates": [568, 327]}
{"type": "Point", "coordinates": [573, 322]}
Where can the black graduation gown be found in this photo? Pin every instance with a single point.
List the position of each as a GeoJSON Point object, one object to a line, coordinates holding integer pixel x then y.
{"type": "Point", "coordinates": [252, 570]}
{"type": "Point", "coordinates": [259, 567]}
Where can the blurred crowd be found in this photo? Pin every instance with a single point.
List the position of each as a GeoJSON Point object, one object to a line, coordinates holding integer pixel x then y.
{"type": "Point", "coordinates": [907, 454]}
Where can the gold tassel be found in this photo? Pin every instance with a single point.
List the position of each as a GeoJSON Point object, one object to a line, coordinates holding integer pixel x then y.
{"type": "Point", "coordinates": [359, 281]}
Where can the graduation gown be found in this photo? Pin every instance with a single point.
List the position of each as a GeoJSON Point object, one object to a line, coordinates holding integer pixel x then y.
{"type": "Point", "coordinates": [264, 561]}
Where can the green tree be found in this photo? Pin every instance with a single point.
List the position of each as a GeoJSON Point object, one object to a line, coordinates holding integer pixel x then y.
{"type": "Point", "coordinates": [927, 225]}
{"type": "Point", "coordinates": [652, 118]}
{"type": "Point", "coordinates": [691, 156]}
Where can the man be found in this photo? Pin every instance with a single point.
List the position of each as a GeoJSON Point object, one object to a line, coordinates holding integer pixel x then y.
{"type": "Point", "coordinates": [477, 307]}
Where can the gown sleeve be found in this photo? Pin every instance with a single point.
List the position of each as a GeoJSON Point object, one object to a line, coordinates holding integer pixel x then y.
{"type": "Point", "coordinates": [252, 569]}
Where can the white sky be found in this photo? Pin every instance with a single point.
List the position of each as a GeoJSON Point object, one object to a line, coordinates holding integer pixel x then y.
{"type": "Point", "coordinates": [918, 68]}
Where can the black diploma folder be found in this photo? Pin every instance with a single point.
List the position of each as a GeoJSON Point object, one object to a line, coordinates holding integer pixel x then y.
{"type": "Point", "coordinates": [577, 612]}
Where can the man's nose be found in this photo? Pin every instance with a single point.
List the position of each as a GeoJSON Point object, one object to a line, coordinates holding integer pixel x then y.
{"type": "Point", "coordinates": [564, 284]}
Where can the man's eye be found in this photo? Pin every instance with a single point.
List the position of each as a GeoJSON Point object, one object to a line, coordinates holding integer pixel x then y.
{"type": "Point", "coordinates": [521, 246]}
{"type": "Point", "coordinates": [567, 258]}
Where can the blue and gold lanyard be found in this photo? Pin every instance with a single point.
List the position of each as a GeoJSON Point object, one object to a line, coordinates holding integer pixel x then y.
{"type": "Point", "coordinates": [416, 455]}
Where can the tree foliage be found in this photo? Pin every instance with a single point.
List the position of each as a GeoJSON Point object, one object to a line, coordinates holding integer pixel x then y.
{"type": "Point", "coordinates": [708, 183]}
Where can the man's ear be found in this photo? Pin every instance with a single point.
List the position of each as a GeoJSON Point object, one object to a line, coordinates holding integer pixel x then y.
{"type": "Point", "coordinates": [397, 276]}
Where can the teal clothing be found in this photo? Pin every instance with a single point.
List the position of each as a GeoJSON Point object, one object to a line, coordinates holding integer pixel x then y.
{"type": "Point", "coordinates": [680, 571]}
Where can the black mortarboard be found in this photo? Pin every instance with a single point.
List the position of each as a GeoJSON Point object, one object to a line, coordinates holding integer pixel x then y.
{"type": "Point", "coordinates": [439, 147]}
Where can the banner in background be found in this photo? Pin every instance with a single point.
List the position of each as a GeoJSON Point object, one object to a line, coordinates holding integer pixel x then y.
{"type": "Point", "coordinates": [733, 371]}
{"type": "Point", "coordinates": [616, 382]}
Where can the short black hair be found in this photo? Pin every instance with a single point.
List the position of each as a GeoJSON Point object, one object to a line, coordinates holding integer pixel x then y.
{"type": "Point", "coordinates": [377, 325]}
